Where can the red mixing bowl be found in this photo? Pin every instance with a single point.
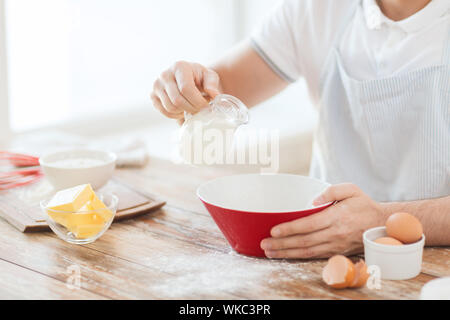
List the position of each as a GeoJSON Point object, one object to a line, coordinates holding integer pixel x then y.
{"type": "Point", "coordinates": [245, 207]}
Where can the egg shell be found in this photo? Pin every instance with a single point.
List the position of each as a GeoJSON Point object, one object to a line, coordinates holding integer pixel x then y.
{"type": "Point", "coordinates": [361, 275]}
{"type": "Point", "coordinates": [388, 241]}
{"type": "Point", "coordinates": [404, 227]}
{"type": "Point", "coordinates": [339, 272]}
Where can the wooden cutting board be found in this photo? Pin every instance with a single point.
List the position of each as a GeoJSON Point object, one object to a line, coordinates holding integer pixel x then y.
{"type": "Point", "coordinates": [20, 206]}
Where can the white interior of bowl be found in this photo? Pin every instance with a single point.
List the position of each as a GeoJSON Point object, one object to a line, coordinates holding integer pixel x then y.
{"type": "Point", "coordinates": [105, 157]}
{"type": "Point", "coordinates": [262, 193]}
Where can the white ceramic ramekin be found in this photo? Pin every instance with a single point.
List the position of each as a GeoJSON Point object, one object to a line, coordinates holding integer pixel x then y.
{"type": "Point", "coordinates": [395, 262]}
{"type": "Point", "coordinates": [66, 177]}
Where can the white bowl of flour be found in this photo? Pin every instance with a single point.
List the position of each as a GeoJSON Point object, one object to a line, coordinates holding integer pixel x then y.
{"type": "Point", "coordinates": [70, 168]}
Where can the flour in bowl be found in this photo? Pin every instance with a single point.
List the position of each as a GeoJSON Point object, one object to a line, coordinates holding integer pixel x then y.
{"type": "Point", "coordinates": [74, 163]}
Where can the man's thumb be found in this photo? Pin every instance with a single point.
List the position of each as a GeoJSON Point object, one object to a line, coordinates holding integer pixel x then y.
{"type": "Point", "coordinates": [337, 192]}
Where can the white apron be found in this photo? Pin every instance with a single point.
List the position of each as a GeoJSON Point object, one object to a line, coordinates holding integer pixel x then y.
{"type": "Point", "coordinates": [390, 136]}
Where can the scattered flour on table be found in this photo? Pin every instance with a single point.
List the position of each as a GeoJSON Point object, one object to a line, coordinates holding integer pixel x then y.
{"type": "Point", "coordinates": [35, 192]}
{"type": "Point", "coordinates": [213, 273]}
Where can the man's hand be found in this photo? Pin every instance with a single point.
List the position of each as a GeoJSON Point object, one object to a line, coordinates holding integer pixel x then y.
{"type": "Point", "coordinates": [335, 230]}
{"type": "Point", "coordinates": [184, 87]}
{"type": "Point", "coordinates": [188, 86]}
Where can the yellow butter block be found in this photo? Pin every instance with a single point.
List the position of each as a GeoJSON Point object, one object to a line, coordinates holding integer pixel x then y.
{"type": "Point", "coordinates": [59, 217]}
{"type": "Point", "coordinates": [81, 219]}
{"type": "Point", "coordinates": [87, 231]}
{"type": "Point", "coordinates": [97, 205]}
{"type": "Point", "coordinates": [72, 199]}
{"type": "Point", "coordinates": [85, 223]}
{"type": "Point", "coordinates": [82, 212]}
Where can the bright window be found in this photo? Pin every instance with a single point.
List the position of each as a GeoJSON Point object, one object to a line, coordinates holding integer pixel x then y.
{"type": "Point", "coordinates": [78, 58]}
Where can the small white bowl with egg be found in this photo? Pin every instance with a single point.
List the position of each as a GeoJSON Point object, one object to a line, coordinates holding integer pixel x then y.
{"type": "Point", "coordinates": [65, 169]}
{"type": "Point", "coordinates": [395, 262]}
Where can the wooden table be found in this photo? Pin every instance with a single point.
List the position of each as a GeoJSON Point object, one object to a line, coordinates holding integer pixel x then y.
{"type": "Point", "coordinates": [176, 252]}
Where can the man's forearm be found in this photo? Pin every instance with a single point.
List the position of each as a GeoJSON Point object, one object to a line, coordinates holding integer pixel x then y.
{"type": "Point", "coordinates": [433, 213]}
{"type": "Point", "coordinates": [244, 74]}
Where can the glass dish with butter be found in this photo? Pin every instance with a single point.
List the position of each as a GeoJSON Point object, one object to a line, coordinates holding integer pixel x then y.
{"type": "Point", "coordinates": [79, 215]}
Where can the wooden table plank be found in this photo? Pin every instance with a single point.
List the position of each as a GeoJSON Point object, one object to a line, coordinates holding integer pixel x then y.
{"type": "Point", "coordinates": [176, 184]}
{"type": "Point", "coordinates": [201, 271]}
{"type": "Point", "coordinates": [436, 261]}
{"type": "Point", "coordinates": [109, 276]}
{"type": "Point", "coordinates": [17, 282]}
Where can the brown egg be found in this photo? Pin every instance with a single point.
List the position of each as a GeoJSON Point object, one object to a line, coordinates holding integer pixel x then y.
{"type": "Point", "coordinates": [404, 227]}
{"type": "Point", "coordinates": [388, 241]}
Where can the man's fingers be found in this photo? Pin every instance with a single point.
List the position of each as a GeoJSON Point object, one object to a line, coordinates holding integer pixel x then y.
{"type": "Point", "coordinates": [185, 87]}
{"type": "Point", "coordinates": [210, 83]}
{"type": "Point", "coordinates": [160, 92]}
{"type": "Point", "coordinates": [184, 76]}
{"type": "Point", "coordinates": [158, 105]}
{"type": "Point", "coordinates": [309, 224]}
{"type": "Point", "coordinates": [337, 192]}
{"type": "Point", "coordinates": [174, 94]}
{"type": "Point", "coordinates": [296, 241]}
{"type": "Point", "coordinates": [167, 104]}
{"type": "Point", "coordinates": [323, 250]}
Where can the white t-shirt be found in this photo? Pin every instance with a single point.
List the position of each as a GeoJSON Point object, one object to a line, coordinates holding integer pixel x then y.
{"type": "Point", "coordinates": [296, 38]}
